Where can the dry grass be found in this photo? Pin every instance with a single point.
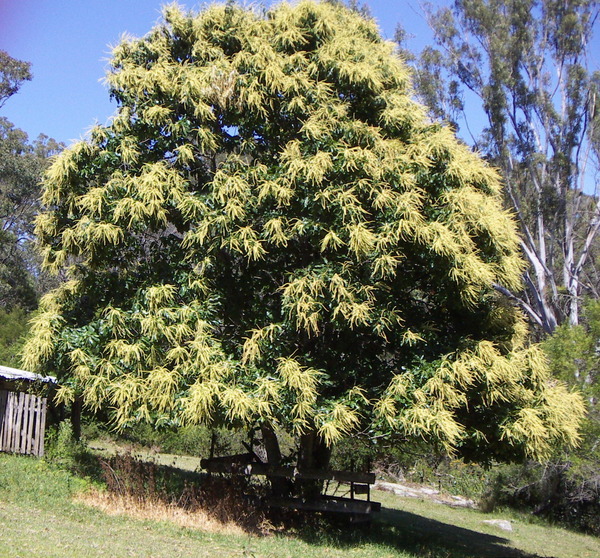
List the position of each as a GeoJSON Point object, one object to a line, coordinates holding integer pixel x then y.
{"type": "Point", "coordinates": [151, 491]}
{"type": "Point", "coordinates": [155, 510]}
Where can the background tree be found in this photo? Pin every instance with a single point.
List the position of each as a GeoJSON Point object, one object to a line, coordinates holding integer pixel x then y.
{"type": "Point", "coordinates": [527, 65]}
{"type": "Point", "coordinates": [270, 232]}
{"type": "Point", "coordinates": [12, 74]}
{"type": "Point", "coordinates": [21, 167]}
{"type": "Point", "coordinates": [14, 326]}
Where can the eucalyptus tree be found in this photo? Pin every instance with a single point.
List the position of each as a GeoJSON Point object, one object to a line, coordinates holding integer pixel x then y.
{"type": "Point", "coordinates": [525, 66]}
{"type": "Point", "coordinates": [13, 73]}
{"type": "Point", "coordinates": [270, 232]}
{"type": "Point", "coordinates": [21, 165]}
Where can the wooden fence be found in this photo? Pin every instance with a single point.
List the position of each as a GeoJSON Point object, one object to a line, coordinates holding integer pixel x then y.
{"type": "Point", "coordinates": [22, 423]}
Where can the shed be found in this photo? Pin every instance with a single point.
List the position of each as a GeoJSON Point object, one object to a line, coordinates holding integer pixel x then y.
{"type": "Point", "coordinates": [22, 414]}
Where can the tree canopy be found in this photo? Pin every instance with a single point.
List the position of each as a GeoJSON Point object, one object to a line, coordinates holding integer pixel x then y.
{"type": "Point", "coordinates": [270, 231]}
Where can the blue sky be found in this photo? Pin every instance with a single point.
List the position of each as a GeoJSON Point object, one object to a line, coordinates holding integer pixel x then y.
{"type": "Point", "coordinates": [68, 43]}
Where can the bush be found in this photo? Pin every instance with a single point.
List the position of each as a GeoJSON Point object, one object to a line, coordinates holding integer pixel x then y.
{"type": "Point", "coordinates": [64, 452]}
{"type": "Point", "coordinates": [353, 454]}
{"type": "Point", "coordinates": [552, 491]}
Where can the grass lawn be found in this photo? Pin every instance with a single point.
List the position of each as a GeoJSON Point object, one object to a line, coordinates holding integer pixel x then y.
{"type": "Point", "coordinates": [41, 517]}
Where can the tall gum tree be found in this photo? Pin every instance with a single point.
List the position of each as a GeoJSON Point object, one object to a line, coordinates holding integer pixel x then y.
{"type": "Point", "coordinates": [527, 66]}
{"type": "Point", "coordinates": [270, 233]}
{"type": "Point", "coordinates": [13, 73]}
{"type": "Point", "coordinates": [21, 166]}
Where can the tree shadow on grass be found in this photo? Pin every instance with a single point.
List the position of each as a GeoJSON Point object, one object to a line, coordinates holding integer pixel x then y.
{"type": "Point", "coordinates": [391, 529]}
{"type": "Point", "coordinates": [408, 532]}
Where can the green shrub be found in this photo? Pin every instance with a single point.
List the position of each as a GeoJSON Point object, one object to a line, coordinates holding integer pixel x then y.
{"type": "Point", "coordinates": [64, 452]}
{"type": "Point", "coordinates": [94, 429]}
{"type": "Point", "coordinates": [552, 491]}
{"type": "Point", "coordinates": [353, 454]}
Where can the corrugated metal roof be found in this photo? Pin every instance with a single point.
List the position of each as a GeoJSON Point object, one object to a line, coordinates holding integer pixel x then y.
{"type": "Point", "coordinates": [14, 374]}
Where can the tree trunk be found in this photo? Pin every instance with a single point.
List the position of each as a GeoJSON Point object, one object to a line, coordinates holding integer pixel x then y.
{"type": "Point", "coordinates": [314, 454]}
{"type": "Point", "coordinates": [271, 444]}
{"type": "Point", "coordinates": [280, 487]}
{"type": "Point", "coordinates": [76, 408]}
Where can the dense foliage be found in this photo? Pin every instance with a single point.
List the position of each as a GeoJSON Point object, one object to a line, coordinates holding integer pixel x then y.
{"type": "Point", "coordinates": [270, 231]}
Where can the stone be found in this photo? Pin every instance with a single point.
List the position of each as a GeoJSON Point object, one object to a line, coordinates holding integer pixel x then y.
{"type": "Point", "coordinates": [503, 524]}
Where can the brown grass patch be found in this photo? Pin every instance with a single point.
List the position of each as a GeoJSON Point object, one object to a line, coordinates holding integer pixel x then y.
{"type": "Point", "coordinates": [113, 504]}
{"type": "Point", "coordinates": [149, 490]}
